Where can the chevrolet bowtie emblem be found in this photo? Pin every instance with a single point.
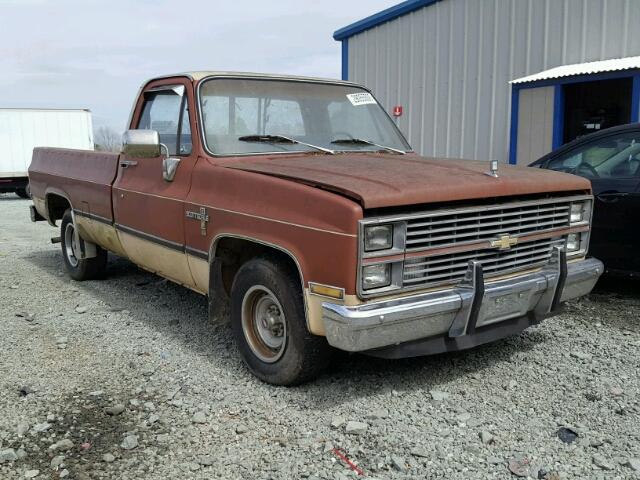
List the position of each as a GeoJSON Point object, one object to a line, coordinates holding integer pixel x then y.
{"type": "Point", "coordinates": [504, 242]}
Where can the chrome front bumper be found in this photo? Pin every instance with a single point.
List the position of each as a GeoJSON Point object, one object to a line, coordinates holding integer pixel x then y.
{"type": "Point", "coordinates": [469, 314]}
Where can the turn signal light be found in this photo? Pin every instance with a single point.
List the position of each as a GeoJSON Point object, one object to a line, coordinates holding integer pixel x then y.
{"type": "Point", "coordinates": [326, 290]}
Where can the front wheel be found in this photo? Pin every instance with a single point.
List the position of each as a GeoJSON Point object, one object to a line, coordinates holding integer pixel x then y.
{"type": "Point", "coordinates": [79, 269]}
{"type": "Point", "coordinates": [268, 322]}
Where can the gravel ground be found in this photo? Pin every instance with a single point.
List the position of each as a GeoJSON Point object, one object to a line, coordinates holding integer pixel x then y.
{"type": "Point", "coordinates": [125, 378]}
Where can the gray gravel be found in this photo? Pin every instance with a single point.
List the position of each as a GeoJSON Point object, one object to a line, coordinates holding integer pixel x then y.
{"type": "Point", "coordinates": [125, 378]}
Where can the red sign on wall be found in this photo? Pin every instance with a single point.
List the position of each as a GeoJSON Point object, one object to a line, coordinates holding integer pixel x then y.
{"type": "Point", "coordinates": [397, 110]}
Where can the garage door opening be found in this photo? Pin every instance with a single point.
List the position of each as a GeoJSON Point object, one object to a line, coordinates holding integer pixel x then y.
{"type": "Point", "coordinates": [593, 106]}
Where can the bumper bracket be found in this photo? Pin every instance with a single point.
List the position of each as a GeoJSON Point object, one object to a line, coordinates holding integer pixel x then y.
{"type": "Point", "coordinates": [471, 293]}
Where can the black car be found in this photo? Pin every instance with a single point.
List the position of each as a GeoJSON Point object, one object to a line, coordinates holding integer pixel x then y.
{"type": "Point", "coordinates": [611, 160]}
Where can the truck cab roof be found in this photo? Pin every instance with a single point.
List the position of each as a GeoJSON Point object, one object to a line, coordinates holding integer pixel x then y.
{"type": "Point", "coordinates": [202, 74]}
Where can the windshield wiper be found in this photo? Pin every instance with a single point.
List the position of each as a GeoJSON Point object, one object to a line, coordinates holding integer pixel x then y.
{"type": "Point", "coordinates": [281, 139]}
{"type": "Point", "coordinates": [343, 141]}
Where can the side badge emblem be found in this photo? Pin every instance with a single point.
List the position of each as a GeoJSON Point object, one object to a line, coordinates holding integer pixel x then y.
{"type": "Point", "coordinates": [202, 216]}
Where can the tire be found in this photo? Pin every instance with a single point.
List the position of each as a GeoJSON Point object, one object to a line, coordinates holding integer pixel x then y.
{"type": "Point", "coordinates": [23, 192]}
{"type": "Point", "coordinates": [268, 323]}
{"type": "Point", "coordinates": [86, 269]}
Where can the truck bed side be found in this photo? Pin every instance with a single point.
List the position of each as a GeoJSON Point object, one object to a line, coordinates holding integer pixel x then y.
{"type": "Point", "coordinates": [83, 177]}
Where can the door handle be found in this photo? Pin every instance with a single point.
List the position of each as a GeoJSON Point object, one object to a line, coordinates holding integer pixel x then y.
{"type": "Point", "coordinates": [128, 163]}
{"type": "Point", "coordinates": [611, 197]}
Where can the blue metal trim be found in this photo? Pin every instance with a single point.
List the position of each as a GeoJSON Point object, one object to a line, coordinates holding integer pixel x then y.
{"type": "Point", "coordinates": [635, 99]}
{"type": "Point", "coordinates": [558, 117]}
{"type": "Point", "coordinates": [558, 102]}
{"type": "Point", "coordinates": [345, 59]}
{"type": "Point", "coordinates": [513, 133]}
{"type": "Point", "coordinates": [381, 17]}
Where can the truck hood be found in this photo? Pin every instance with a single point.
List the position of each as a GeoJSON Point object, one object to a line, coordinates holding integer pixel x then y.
{"type": "Point", "coordinates": [384, 180]}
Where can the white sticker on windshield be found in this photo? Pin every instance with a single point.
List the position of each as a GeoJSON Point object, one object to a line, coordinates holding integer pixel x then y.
{"type": "Point", "coordinates": [364, 98]}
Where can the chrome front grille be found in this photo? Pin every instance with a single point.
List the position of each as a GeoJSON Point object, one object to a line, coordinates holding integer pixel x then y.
{"type": "Point", "coordinates": [433, 248]}
{"type": "Point", "coordinates": [451, 268]}
{"type": "Point", "coordinates": [454, 227]}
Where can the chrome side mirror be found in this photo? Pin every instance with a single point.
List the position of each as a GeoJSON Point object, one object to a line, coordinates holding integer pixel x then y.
{"type": "Point", "coordinates": [141, 144]}
{"type": "Point", "coordinates": [169, 168]}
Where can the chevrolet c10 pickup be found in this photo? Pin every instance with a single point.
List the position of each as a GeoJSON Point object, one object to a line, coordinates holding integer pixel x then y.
{"type": "Point", "coordinates": [297, 205]}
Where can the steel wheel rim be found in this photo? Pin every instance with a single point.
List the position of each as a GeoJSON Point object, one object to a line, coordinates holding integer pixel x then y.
{"type": "Point", "coordinates": [264, 324]}
{"type": "Point", "coordinates": [70, 245]}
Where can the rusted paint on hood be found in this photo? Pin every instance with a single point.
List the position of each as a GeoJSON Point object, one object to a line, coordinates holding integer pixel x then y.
{"type": "Point", "coordinates": [384, 180]}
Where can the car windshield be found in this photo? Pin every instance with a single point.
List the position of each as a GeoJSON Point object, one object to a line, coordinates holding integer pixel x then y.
{"type": "Point", "coordinates": [247, 116]}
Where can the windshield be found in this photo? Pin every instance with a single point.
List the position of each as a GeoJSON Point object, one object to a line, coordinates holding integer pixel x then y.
{"type": "Point", "coordinates": [239, 114]}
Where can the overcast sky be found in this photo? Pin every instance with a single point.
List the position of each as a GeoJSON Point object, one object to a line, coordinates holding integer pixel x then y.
{"type": "Point", "coordinates": [95, 54]}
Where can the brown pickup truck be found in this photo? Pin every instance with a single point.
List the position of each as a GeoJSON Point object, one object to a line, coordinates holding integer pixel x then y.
{"type": "Point", "coordinates": [299, 202]}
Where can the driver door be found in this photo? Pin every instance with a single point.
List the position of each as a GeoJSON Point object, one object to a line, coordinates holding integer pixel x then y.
{"type": "Point", "coordinates": [614, 234]}
{"type": "Point", "coordinates": [148, 209]}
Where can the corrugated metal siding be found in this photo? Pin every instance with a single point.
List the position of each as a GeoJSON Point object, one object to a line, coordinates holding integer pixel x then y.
{"type": "Point", "coordinates": [587, 68]}
{"type": "Point", "coordinates": [449, 64]}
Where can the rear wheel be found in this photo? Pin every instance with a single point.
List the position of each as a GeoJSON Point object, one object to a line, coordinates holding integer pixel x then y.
{"type": "Point", "coordinates": [79, 268]}
{"type": "Point", "coordinates": [268, 322]}
{"type": "Point", "coordinates": [23, 192]}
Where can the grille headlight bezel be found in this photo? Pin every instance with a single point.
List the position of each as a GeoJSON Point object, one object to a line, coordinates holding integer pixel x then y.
{"type": "Point", "coordinates": [580, 213]}
{"type": "Point", "coordinates": [389, 256]}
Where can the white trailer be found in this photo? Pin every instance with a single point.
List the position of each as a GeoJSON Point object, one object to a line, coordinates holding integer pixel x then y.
{"type": "Point", "coordinates": [23, 129]}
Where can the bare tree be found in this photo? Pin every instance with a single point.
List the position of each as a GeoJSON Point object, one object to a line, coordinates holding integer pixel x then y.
{"type": "Point", "coordinates": [107, 140]}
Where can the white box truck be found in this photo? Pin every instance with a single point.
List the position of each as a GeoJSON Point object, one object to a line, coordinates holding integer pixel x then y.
{"type": "Point", "coordinates": [22, 129]}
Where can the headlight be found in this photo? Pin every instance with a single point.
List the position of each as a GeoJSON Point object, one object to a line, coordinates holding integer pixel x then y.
{"type": "Point", "coordinates": [378, 237]}
{"type": "Point", "coordinates": [577, 243]}
{"type": "Point", "coordinates": [573, 242]}
{"type": "Point", "coordinates": [376, 276]}
{"type": "Point", "coordinates": [578, 212]}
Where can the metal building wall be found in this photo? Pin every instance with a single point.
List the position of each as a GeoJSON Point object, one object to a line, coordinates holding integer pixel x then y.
{"type": "Point", "coordinates": [535, 124]}
{"type": "Point", "coordinates": [449, 64]}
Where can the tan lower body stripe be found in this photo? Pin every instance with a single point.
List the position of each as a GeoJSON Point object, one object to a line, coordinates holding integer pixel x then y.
{"type": "Point", "coordinates": [147, 236]}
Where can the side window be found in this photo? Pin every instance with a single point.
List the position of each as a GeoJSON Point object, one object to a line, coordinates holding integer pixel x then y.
{"type": "Point", "coordinates": [611, 157]}
{"type": "Point", "coordinates": [162, 112]}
